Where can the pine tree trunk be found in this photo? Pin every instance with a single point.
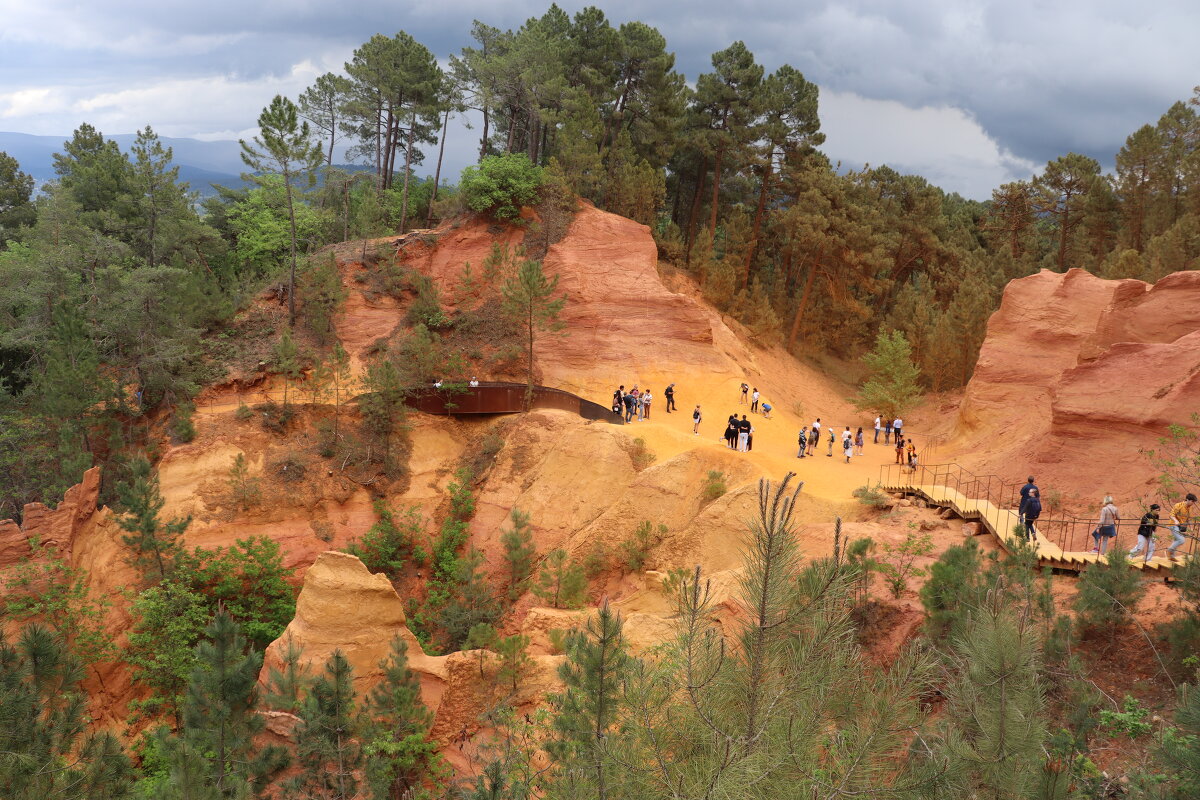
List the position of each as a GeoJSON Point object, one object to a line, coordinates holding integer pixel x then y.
{"type": "Point", "coordinates": [716, 190]}
{"type": "Point", "coordinates": [407, 163]}
{"type": "Point", "coordinates": [287, 183]}
{"type": "Point", "coordinates": [1062, 236]}
{"type": "Point", "coordinates": [758, 215]}
{"type": "Point", "coordinates": [804, 295]}
{"type": "Point", "coordinates": [437, 175]}
{"type": "Point", "coordinates": [695, 213]}
{"type": "Point", "coordinates": [483, 139]}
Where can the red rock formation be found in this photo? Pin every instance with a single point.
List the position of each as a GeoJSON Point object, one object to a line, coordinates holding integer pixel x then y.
{"type": "Point", "coordinates": [55, 527]}
{"type": "Point", "coordinates": [1077, 374]}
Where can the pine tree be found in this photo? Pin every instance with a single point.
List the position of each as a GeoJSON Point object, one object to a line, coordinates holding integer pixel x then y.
{"type": "Point", "coordinates": [529, 300]}
{"type": "Point", "coordinates": [995, 729]}
{"type": "Point", "coordinates": [155, 543]}
{"type": "Point", "coordinates": [284, 147]}
{"type": "Point", "coordinates": [16, 187]}
{"type": "Point", "coordinates": [286, 361]}
{"type": "Point", "coordinates": [588, 708]}
{"type": "Point", "coordinates": [561, 582]}
{"type": "Point", "coordinates": [215, 748]}
{"type": "Point", "coordinates": [400, 756]}
{"type": "Point", "coordinates": [287, 684]}
{"type": "Point", "coordinates": [44, 750]}
{"type": "Point", "coordinates": [519, 552]}
{"type": "Point", "coordinates": [514, 660]}
{"type": "Point", "coordinates": [1109, 592]}
{"type": "Point", "coordinates": [326, 748]}
{"type": "Point", "coordinates": [892, 387]}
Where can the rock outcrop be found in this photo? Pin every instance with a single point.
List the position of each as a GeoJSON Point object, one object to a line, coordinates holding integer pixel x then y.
{"type": "Point", "coordinates": [1077, 374]}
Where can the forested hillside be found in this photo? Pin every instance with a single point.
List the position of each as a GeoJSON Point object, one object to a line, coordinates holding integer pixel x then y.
{"type": "Point", "coordinates": [123, 295]}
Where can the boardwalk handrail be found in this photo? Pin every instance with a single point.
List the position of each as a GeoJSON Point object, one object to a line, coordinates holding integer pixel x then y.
{"type": "Point", "coordinates": [1071, 534]}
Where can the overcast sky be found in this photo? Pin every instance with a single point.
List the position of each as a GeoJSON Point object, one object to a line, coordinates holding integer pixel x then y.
{"type": "Point", "coordinates": [967, 93]}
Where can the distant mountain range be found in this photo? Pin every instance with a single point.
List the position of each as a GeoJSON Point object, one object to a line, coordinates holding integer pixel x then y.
{"type": "Point", "coordinates": [201, 164]}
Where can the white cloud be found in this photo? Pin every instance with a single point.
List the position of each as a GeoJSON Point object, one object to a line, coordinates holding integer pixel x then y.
{"type": "Point", "coordinates": [943, 144]}
{"type": "Point", "coordinates": [26, 103]}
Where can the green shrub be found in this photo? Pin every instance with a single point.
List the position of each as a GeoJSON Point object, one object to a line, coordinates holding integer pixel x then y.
{"type": "Point", "coordinates": [637, 547]}
{"type": "Point", "coordinates": [243, 413]}
{"type": "Point", "coordinates": [182, 428]}
{"type": "Point", "coordinates": [870, 495]}
{"type": "Point", "coordinates": [244, 490]}
{"type": "Point", "coordinates": [899, 561]}
{"type": "Point", "coordinates": [1109, 592]}
{"type": "Point", "coordinates": [596, 560]}
{"type": "Point", "coordinates": [714, 485]}
{"type": "Point", "coordinates": [640, 455]}
{"type": "Point", "coordinates": [388, 544]}
{"type": "Point", "coordinates": [561, 582]}
{"type": "Point", "coordinates": [501, 185]}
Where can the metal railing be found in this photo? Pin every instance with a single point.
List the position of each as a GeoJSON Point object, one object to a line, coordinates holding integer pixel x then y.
{"type": "Point", "coordinates": [996, 502]}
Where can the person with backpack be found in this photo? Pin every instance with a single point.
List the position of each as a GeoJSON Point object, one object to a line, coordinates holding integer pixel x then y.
{"type": "Point", "coordinates": [803, 442]}
{"type": "Point", "coordinates": [669, 393]}
{"type": "Point", "coordinates": [1146, 530]}
{"type": "Point", "coordinates": [832, 436]}
{"type": "Point", "coordinates": [1031, 509]}
{"type": "Point", "coordinates": [847, 444]}
{"type": "Point", "coordinates": [1029, 488]}
{"type": "Point", "coordinates": [1181, 516]}
{"type": "Point", "coordinates": [630, 403]}
{"type": "Point", "coordinates": [696, 420]}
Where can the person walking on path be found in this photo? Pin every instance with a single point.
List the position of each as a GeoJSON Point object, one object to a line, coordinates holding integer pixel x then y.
{"type": "Point", "coordinates": [745, 393]}
{"type": "Point", "coordinates": [696, 421]}
{"type": "Point", "coordinates": [669, 393]}
{"type": "Point", "coordinates": [858, 442]}
{"type": "Point", "coordinates": [899, 449]}
{"type": "Point", "coordinates": [630, 401]}
{"type": "Point", "coordinates": [832, 436]}
{"type": "Point", "coordinates": [1146, 530]}
{"type": "Point", "coordinates": [754, 401]}
{"type": "Point", "coordinates": [847, 444]}
{"type": "Point", "coordinates": [912, 456]}
{"type": "Point", "coordinates": [1032, 506]}
{"type": "Point", "coordinates": [887, 431]}
{"type": "Point", "coordinates": [1029, 488]}
{"type": "Point", "coordinates": [802, 442]}
{"type": "Point", "coordinates": [1107, 527]}
{"type": "Point", "coordinates": [646, 398]}
{"type": "Point", "coordinates": [878, 425]}
{"type": "Point", "coordinates": [1181, 517]}
{"type": "Point", "coordinates": [897, 427]}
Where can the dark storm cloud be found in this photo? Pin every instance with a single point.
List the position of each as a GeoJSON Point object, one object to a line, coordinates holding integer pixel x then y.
{"type": "Point", "coordinates": [1011, 84]}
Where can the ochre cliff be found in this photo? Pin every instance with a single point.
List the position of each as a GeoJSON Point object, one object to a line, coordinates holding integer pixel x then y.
{"type": "Point", "coordinates": [1077, 375]}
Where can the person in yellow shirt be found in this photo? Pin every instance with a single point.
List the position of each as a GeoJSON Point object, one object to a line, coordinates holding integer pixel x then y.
{"type": "Point", "coordinates": [1181, 516]}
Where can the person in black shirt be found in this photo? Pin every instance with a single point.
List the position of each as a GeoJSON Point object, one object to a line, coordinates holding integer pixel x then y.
{"type": "Point", "coordinates": [1029, 488]}
{"type": "Point", "coordinates": [1031, 510]}
{"type": "Point", "coordinates": [669, 393]}
{"type": "Point", "coordinates": [1145, 533]}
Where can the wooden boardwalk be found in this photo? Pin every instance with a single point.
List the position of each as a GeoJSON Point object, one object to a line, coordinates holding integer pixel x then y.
{"type": "Point", "coordinates": [1000, 523]}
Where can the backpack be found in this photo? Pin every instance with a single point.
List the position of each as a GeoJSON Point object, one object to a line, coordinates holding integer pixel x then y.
{"type": "Point", "coordinates": [1033, 507]}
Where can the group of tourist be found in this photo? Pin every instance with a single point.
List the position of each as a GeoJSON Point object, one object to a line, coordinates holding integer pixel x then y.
{"type": "Point", "coordinates": [1030, 510]}
{"type": "Point", "coordinates": [754, 398]}
{"type": "Point", "coordinates": [635, 404]}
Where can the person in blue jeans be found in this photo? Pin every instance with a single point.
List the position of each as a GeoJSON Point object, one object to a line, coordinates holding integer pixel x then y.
{"type": "Point", "coordinates": [1181, 517]}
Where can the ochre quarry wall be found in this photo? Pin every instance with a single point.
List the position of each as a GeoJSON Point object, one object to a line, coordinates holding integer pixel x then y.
{"type": "Point", "coordinates": [1077, 374]}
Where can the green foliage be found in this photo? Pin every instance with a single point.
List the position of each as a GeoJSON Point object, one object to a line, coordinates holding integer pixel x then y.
{"type": "Point", "coordinates": [560, 582]}
{"type": "Point", "coordinates": [388, 545]}
{"type": "Point", "coordinates": [245, 491]}
{"type": "Point", "coordinates": [183, 430]}
{"type": "Point", "coordinates": [481, 638]}
{"type": "Point", "coordinates": [155, 544]}
{"type": "Point", "coordinates": [16, 211]}
{"type": "Point", "coordinates": [326, 747]}
{"type": "Point", "coordinates": [892, 385]}
{"type": "Point", "coordinates": [871, 496]}
{"type": "Point", "coordinates": [640, 454]}
{"type": "Point", "coordinates": [714, 485]}
{"type": "Point", "coordinates": [288, 683]}
{"type": "Point", "coordinates": [501, 185]}
{"type": "Point", "coordinates": [46, 587]}
{"type": "Point", "coordinates": [514, 660]}
{"type": "Point", "coordinates": [1109, 592]}
{"type": "Point", "coordinates": [634, 550]}
{"type": "Point", "coordinates": [243, 413]}
{"type": "Point", "coordinates": [519, 552]}
{"type": "Point", "coordinates": [1180, 746]}
{"type": "Point", "coordinates": [898, 562]}
{"type": "Point", "coordinates": [168, 622]}
{"type": "Point", "coordinates": [529, 301]}
{"type": "Point", "coordinates": [214, 750]}
{"type": "Point", "coordinates": [321, 295]}
{"type": "Point", "coordinates": [286, 362]}
{"type": "Point", "coordinates": [45, 749]}
{"type": "Point", "coordinates": [399, 754]}
{"type": "Point", "coordinates": [1130, 720]}
{"type": "Point", "coordinates": [426, 308]}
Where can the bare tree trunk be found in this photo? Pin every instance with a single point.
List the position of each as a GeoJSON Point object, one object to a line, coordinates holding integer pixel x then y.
{"type": "Point", "coordinates": [437, 175]}
{"type": "Point", "coordinates": [758, 215]}
{"type": "Point", "coordinates": [692, 218]}
{"type": "Point", "coordinates": [716, 190]}
{"type": "Point", "coordinates": [483, 139]}
{"type": "Point", "coordinates": [412, 127]}
{"type": "Point", "coordinates": [804, 295]}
